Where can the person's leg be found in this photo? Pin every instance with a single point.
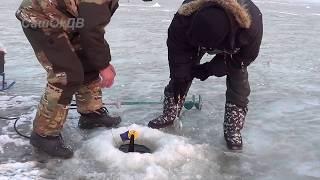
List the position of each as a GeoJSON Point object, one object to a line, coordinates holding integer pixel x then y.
{"type": "Point", "coordinates": [89, 95]}
{"type": "Point", "coordinates": [90, 106]}
{"type": "Point", "coordinates": [238, 91]}
{"type": "Point", "coordinates": [64, 76]}
{"type": "Point", "coordinates": [171, 109]}
{"type": "Point", "coordinates": [89, 99]}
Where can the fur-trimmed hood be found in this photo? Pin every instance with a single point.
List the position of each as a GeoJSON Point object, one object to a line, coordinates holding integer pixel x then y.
{"type": "Point", "coordinates": [239, 11]}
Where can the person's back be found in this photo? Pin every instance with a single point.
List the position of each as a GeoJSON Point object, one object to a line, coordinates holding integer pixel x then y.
{"type": "Point", "coordinates": [64, 13]}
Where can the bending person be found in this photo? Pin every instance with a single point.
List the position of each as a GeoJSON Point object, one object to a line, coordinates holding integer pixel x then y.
{"type": "Point", "coordinates": [230, 29]}
{"type": "Point", "coordinates": [68, 40]}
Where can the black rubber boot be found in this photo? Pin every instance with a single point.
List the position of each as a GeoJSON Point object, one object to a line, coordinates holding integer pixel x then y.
{"type": "Point", "coordinates": [234, 119]}
{"type": "Point", "coordinates": [171, 111]}
{"type": "Point", "coordinates": [98, 118]}
{"type": "Point", "coordinates": [52, 145]}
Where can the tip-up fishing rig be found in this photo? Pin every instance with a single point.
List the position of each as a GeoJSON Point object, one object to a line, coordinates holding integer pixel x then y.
{"type": "Point", "coordinates": [4, 84]}
{"type": "Point", "coordinates": [131, 136]}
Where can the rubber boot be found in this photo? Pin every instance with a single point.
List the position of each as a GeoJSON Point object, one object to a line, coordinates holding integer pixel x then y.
{"type": "Point", "coordinates": [234, 119]}
{"type": "Point", "coordinates": [171, 111]}
{"type": "Point", "coordinates": [52, 145]}
{"type": "Point", "coordinates": [98, 118]}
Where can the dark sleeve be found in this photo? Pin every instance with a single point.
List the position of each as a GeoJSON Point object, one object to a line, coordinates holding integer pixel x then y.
{"type": "Point", "coordinates": [217, 66]}
{"type": "Point", "coordinates": [250, 40]}
{"type": "Point", "coordinates": [181, 54]}
{"type": "Point", "coordinates": [244, 57]}
{"type": "Point", "coordinates": [180, 63]}
{"type": "Point", "coordinates": [250, 52]}
{"type": "Point", "coordinates": [95, 16]}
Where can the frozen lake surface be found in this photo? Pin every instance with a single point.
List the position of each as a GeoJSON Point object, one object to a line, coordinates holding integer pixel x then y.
{"type": "Point", "coordinates": [282, 130]}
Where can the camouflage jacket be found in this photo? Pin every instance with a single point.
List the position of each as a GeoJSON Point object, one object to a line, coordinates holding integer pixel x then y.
{"type": "Point", "coordinates": [87, 17]}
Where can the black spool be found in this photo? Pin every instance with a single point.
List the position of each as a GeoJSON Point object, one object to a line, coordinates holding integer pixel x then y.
{"type": "Point", "coordinates": [132, 147]}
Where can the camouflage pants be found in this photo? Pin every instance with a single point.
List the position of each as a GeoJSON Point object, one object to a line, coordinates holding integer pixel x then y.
{"type": "Point", "coordinates": [68, 73]}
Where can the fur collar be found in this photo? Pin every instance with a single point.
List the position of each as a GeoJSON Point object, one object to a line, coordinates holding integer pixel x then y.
{"type": "Point", "coordinates": [239, 11]}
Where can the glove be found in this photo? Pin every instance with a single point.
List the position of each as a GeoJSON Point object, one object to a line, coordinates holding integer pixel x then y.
{"type": "Point", "coordinates": [216, 67]}
{"type": "Point", "coordinates": [180, 87]}
{"type": "Point", "coordinates": [201, 71]}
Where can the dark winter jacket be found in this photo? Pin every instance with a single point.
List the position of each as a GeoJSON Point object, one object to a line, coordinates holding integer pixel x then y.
{"type": "Point", "coordinates": [242, 45]}
{"type": "Point", "coordinates": [85, 17]}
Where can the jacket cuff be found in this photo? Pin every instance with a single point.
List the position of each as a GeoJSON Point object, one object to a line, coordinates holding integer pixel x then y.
{"type": "Point", "coordinates": [103, 66]}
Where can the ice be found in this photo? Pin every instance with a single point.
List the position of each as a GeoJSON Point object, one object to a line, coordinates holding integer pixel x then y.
{"type": "Point", "coordinates": [311, 169]}
{"type": "Point", "coordinates": [170, 153]}
{"type": "Point", "coordinates": [19, 171]}
{"type": "Point", "coordinates": [17, 101]}
{"type": "Point", "coordinates": [5, 139]}
{"type": "Point", "coordinates": [2, 48]}
{"type": "Point", "coordinates": [281, 134]}
{"type": "Point", "coordinates": [287, 13]}
{"type": "Point", "coordinates": [156, 5]}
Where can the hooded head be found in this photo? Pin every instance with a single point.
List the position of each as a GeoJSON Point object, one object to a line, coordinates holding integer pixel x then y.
{"type": "Point", "coordinates": [210, 28]}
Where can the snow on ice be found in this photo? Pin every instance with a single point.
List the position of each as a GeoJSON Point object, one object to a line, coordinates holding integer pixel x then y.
{"type": "Point", "coordinates": [281, 135]}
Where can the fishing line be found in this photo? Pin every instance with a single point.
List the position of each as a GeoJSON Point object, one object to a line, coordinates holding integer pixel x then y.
{"type": "Point", "coordinates": [15, 125]}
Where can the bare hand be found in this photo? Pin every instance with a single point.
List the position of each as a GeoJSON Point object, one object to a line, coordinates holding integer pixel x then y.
{"type": "Point", "coordinates": [107, 76]}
